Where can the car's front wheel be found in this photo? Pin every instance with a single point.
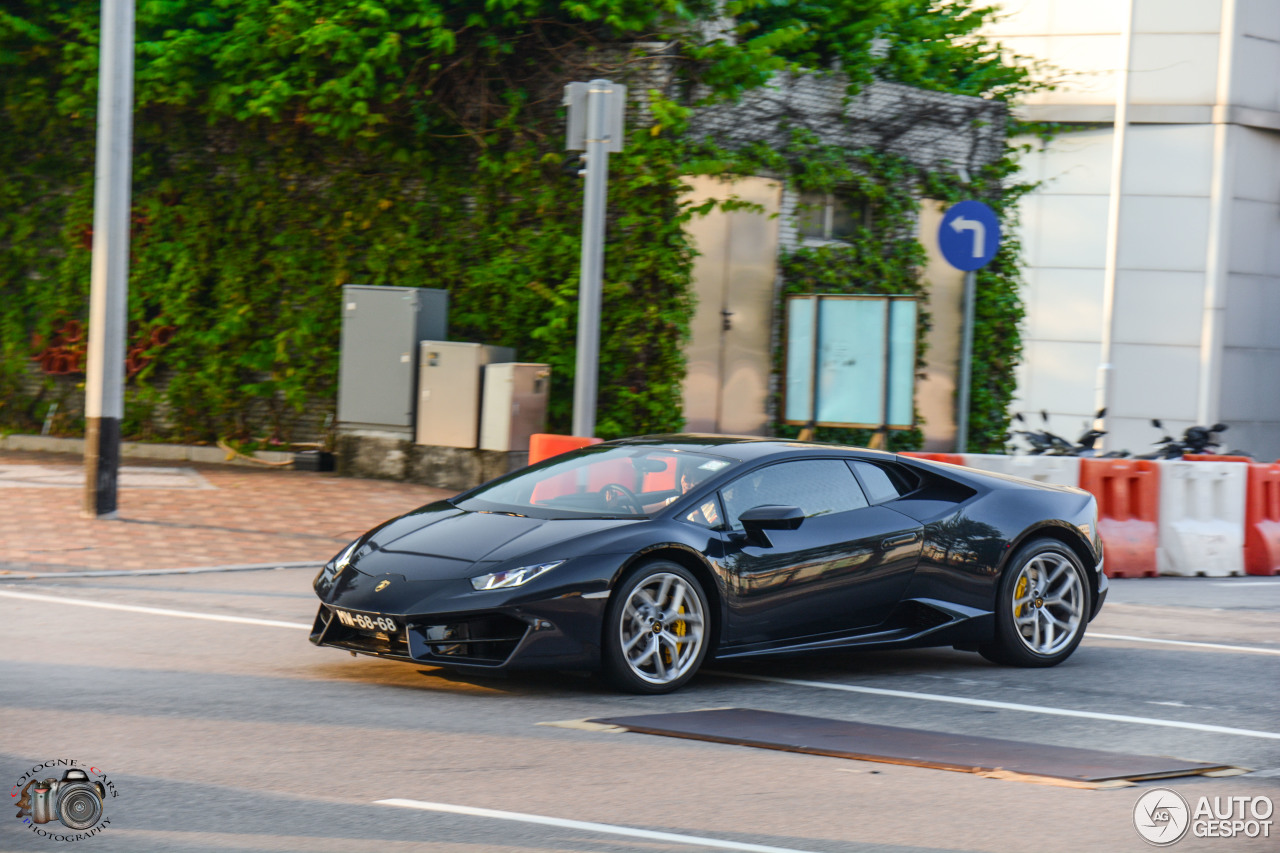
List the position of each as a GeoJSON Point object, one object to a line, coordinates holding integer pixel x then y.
{"type": "Point", "coordinates": [656, 629]}
{"type": "Point", "coordinates": [1042, 607]}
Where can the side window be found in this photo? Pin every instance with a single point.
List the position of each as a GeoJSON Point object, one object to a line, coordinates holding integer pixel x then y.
{"type": "Point", "coordinates": [882, 484]}
{"type": "Point", "coordinates": [817, 486]}
{"type": "Point", "coordinates": [706, 513]}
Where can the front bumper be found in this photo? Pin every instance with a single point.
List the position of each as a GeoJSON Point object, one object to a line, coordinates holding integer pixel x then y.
{"type": "Point", "coordinates": [563, 633]}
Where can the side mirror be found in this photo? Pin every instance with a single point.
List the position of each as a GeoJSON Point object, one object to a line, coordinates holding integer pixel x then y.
{"type": "Point", "coordinates": [1218, 428]}
{"type": "Point", "coordinates": [758, 519]}
{"type": "Point", "coordinates": [1155, 422]}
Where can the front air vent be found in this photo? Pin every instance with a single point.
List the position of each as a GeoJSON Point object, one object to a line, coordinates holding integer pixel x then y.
{"type": "Point", "coordinates": [486, 640]}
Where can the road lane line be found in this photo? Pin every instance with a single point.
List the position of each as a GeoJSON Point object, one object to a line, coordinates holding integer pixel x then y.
{"type": "Point", "coordinates": [20, 575]}
{"type": "Point", "coordinates": [155, 611]}
{"type": "Point", "coordinates": [586, 826]}
{"type": "Point", "coordinates": [848, 688]}
{"type": "Point", "coordinates": [1250, 649]}
{"type": "Point", "coordinates": [1006, 706]}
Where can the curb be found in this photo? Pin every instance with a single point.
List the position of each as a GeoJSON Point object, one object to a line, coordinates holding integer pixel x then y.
{"type": "Point", "coordinates": [140, 450]}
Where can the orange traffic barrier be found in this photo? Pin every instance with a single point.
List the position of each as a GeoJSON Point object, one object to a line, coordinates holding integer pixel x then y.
{"type": "Point", "coordinates": [1128, 495]}
{"type": "Point", "coordinates": [953, 458]}
{"type": "Point", "coordinates": [544, 445]}
{"type": "Point", "coordinates": [1213, 457]}
{"type": "Point", "coordinates": [1262, 520]}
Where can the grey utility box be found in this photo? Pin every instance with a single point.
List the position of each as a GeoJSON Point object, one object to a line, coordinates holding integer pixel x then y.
{"type": "Point", "coordinates": [450, 377]}
{"type": "Point", "coordinates": [377, 374]}
{"type": "Point", "coordinates": [514, 405]}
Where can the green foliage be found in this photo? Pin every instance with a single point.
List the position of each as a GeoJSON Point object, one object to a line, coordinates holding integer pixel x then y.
{"type": "Point", "coordinates": [285, 147]}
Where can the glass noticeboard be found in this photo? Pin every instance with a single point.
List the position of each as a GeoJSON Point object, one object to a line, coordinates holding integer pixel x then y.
{"type": "Point", "coordinates": [858, 353]}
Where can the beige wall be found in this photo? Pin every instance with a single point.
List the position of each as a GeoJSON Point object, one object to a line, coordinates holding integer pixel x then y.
{"type": "Point", "coordinates": [936, 389]}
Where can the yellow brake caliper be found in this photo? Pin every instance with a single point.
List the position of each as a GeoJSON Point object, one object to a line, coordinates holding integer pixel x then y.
{"type": "Point", "coordinates": [1019, 591]}
{"type": "Point", "coordinates": [679, 628]}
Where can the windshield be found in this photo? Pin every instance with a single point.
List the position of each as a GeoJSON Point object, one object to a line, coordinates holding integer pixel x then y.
{"type": "Point", "coordinates": [598, 482]}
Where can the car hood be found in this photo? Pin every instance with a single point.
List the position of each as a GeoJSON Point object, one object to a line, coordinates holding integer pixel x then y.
{"type": "Point", "coordinates": [442, 542]}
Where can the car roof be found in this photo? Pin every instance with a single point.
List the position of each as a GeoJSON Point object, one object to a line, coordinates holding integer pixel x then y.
{"type": "Point", "coordinates": [746, 448]}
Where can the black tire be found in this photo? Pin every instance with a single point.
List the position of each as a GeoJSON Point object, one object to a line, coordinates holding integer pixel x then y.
{"type": "Point", "coordinates": [656, 629]}
{"type": "Point", "coordinates": [1042, 607]}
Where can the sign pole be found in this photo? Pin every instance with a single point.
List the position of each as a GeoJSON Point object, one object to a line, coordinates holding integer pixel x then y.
{"type": "Point", "coordinates": [109, 279]}
{"type": "Point", "coordinates": [966, 365]}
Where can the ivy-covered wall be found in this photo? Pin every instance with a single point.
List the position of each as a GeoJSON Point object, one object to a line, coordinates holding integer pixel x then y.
{"type": "Point", "coordinates": [283, 149]}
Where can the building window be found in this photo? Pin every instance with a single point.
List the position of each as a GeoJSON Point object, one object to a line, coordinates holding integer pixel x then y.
{"type": "Point", "coordinates": [826, 217]}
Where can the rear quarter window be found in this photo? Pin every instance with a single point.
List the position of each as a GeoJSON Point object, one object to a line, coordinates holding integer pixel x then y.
{"type": "Point", "coordinates": [883, 482]}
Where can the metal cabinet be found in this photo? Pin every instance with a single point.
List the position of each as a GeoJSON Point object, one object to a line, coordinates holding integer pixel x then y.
{"type": "Point", "coordinates": [450, 377]}
{"type": "Point", "coordinates": [514, 406]}
{"type": "Point", "coordinates": [381, 328]}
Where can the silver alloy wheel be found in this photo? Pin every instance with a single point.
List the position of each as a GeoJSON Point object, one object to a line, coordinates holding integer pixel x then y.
{"type": "Point", "coordinates": [1048, 603]}
{"type": "Point", "coordinates": [661, 629]}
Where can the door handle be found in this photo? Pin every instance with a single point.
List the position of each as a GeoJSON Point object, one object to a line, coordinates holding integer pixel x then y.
{"type": "Point", "coordinates": [904, 539]}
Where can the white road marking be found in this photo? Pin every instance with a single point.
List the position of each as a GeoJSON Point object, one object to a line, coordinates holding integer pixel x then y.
{"type": "Point", "coordinates": [1275, 583]}
{"type": "Point", "coordinates": [1005, 706]}
{"type": "Point", "coordinates": [155, 611]}
{"type": "Point", "coordinates": [17, 575]}
{"type": "Point", "coordinates": [848, 688]}
{"type": "Point", "coordinates": [585, 826]}
{"type": "Point", "coordinates": [1250, 649]}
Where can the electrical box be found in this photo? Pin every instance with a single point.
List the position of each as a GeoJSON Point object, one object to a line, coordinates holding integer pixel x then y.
{"type": "Point", "coordinates": [514, 405]}
{"type": "Point", "coordinates": [450, 381]}
{"type": "Point", "coordinates": [377, 374]}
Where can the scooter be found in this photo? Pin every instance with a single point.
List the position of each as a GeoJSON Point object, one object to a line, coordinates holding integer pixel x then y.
{"type": "Point", "coordinates": [1046, 443]}
{"type": "Point", "coordinates": [1195, 440]}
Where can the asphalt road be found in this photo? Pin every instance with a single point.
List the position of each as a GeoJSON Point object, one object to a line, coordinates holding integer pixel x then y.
{"type": "Point", "coordinates": [239, 735]}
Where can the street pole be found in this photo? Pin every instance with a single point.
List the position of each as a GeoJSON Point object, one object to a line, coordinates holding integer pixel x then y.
{"type": "Point", "coordinates": [966, 364]}
{"type": "Point", "coordinates": [109, 281]}
{"type": "Point", "coordinates": [602, 133]}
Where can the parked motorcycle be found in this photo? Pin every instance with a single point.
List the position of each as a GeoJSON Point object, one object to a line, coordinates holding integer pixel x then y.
{"type": "Point", "coordinates": [1198, 440]}
{"type": "Point", "coordinates": [1046, 443]}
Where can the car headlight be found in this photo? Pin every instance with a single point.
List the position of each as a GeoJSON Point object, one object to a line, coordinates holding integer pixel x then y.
{"type": "Point", "coordinates": [513, 577]}
{"type": "Point", "coordinates": [335, 567]}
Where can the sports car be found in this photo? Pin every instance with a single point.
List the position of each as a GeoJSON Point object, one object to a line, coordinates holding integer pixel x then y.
{"type": "Point", "coordinates": [644, 557]}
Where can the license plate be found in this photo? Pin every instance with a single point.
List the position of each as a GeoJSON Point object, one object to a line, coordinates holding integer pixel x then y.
{"type": "Point", "coordinates": [366, 622]}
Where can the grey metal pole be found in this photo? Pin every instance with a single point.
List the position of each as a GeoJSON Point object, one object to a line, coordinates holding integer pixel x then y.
{"type": "Point", "coordinates": [109, 281]}
{"type": "Point", "coordinates": [966, 363]}
{"type": "Point", "coordinates": [590, 286]}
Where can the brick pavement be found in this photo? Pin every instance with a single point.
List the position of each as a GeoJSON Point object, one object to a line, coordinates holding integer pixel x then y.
{"type": "Point", "coordinates": [213, 515]}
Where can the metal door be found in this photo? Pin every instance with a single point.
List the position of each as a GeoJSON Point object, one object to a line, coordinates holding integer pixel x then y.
{"type": "Point", "coordinates": [729, 352]}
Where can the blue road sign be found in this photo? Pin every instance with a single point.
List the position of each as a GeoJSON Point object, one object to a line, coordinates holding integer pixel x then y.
{"type": "Point", "coordinates": [969, 235]}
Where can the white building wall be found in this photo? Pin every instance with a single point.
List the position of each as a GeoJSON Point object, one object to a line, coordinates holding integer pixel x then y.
{"type": "Point", "coordinates": [1176, 313]}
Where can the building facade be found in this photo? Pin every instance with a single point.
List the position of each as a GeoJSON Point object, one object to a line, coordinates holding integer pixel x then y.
{"type": "Point", "coordinates": [1153, 243]}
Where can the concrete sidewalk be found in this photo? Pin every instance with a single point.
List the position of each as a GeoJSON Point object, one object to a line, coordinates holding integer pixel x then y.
{"type": "Point", "coordinates": [185, 515]}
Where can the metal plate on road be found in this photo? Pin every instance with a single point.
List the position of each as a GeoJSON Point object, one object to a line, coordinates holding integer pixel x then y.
{"type": "Point", "coordinates": [915, 747]}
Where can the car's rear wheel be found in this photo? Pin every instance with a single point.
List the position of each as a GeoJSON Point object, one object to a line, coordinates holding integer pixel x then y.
{"type": "Point", "coordinates": [656, 629]}
{"type": "Point", "coordinates": [1042, 607]}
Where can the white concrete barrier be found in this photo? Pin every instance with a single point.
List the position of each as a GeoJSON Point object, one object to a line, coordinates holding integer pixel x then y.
{"type": "Point", "coordinates": [1202, 516]}
{"type": "Point", "coordinates": [1059, 470]}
